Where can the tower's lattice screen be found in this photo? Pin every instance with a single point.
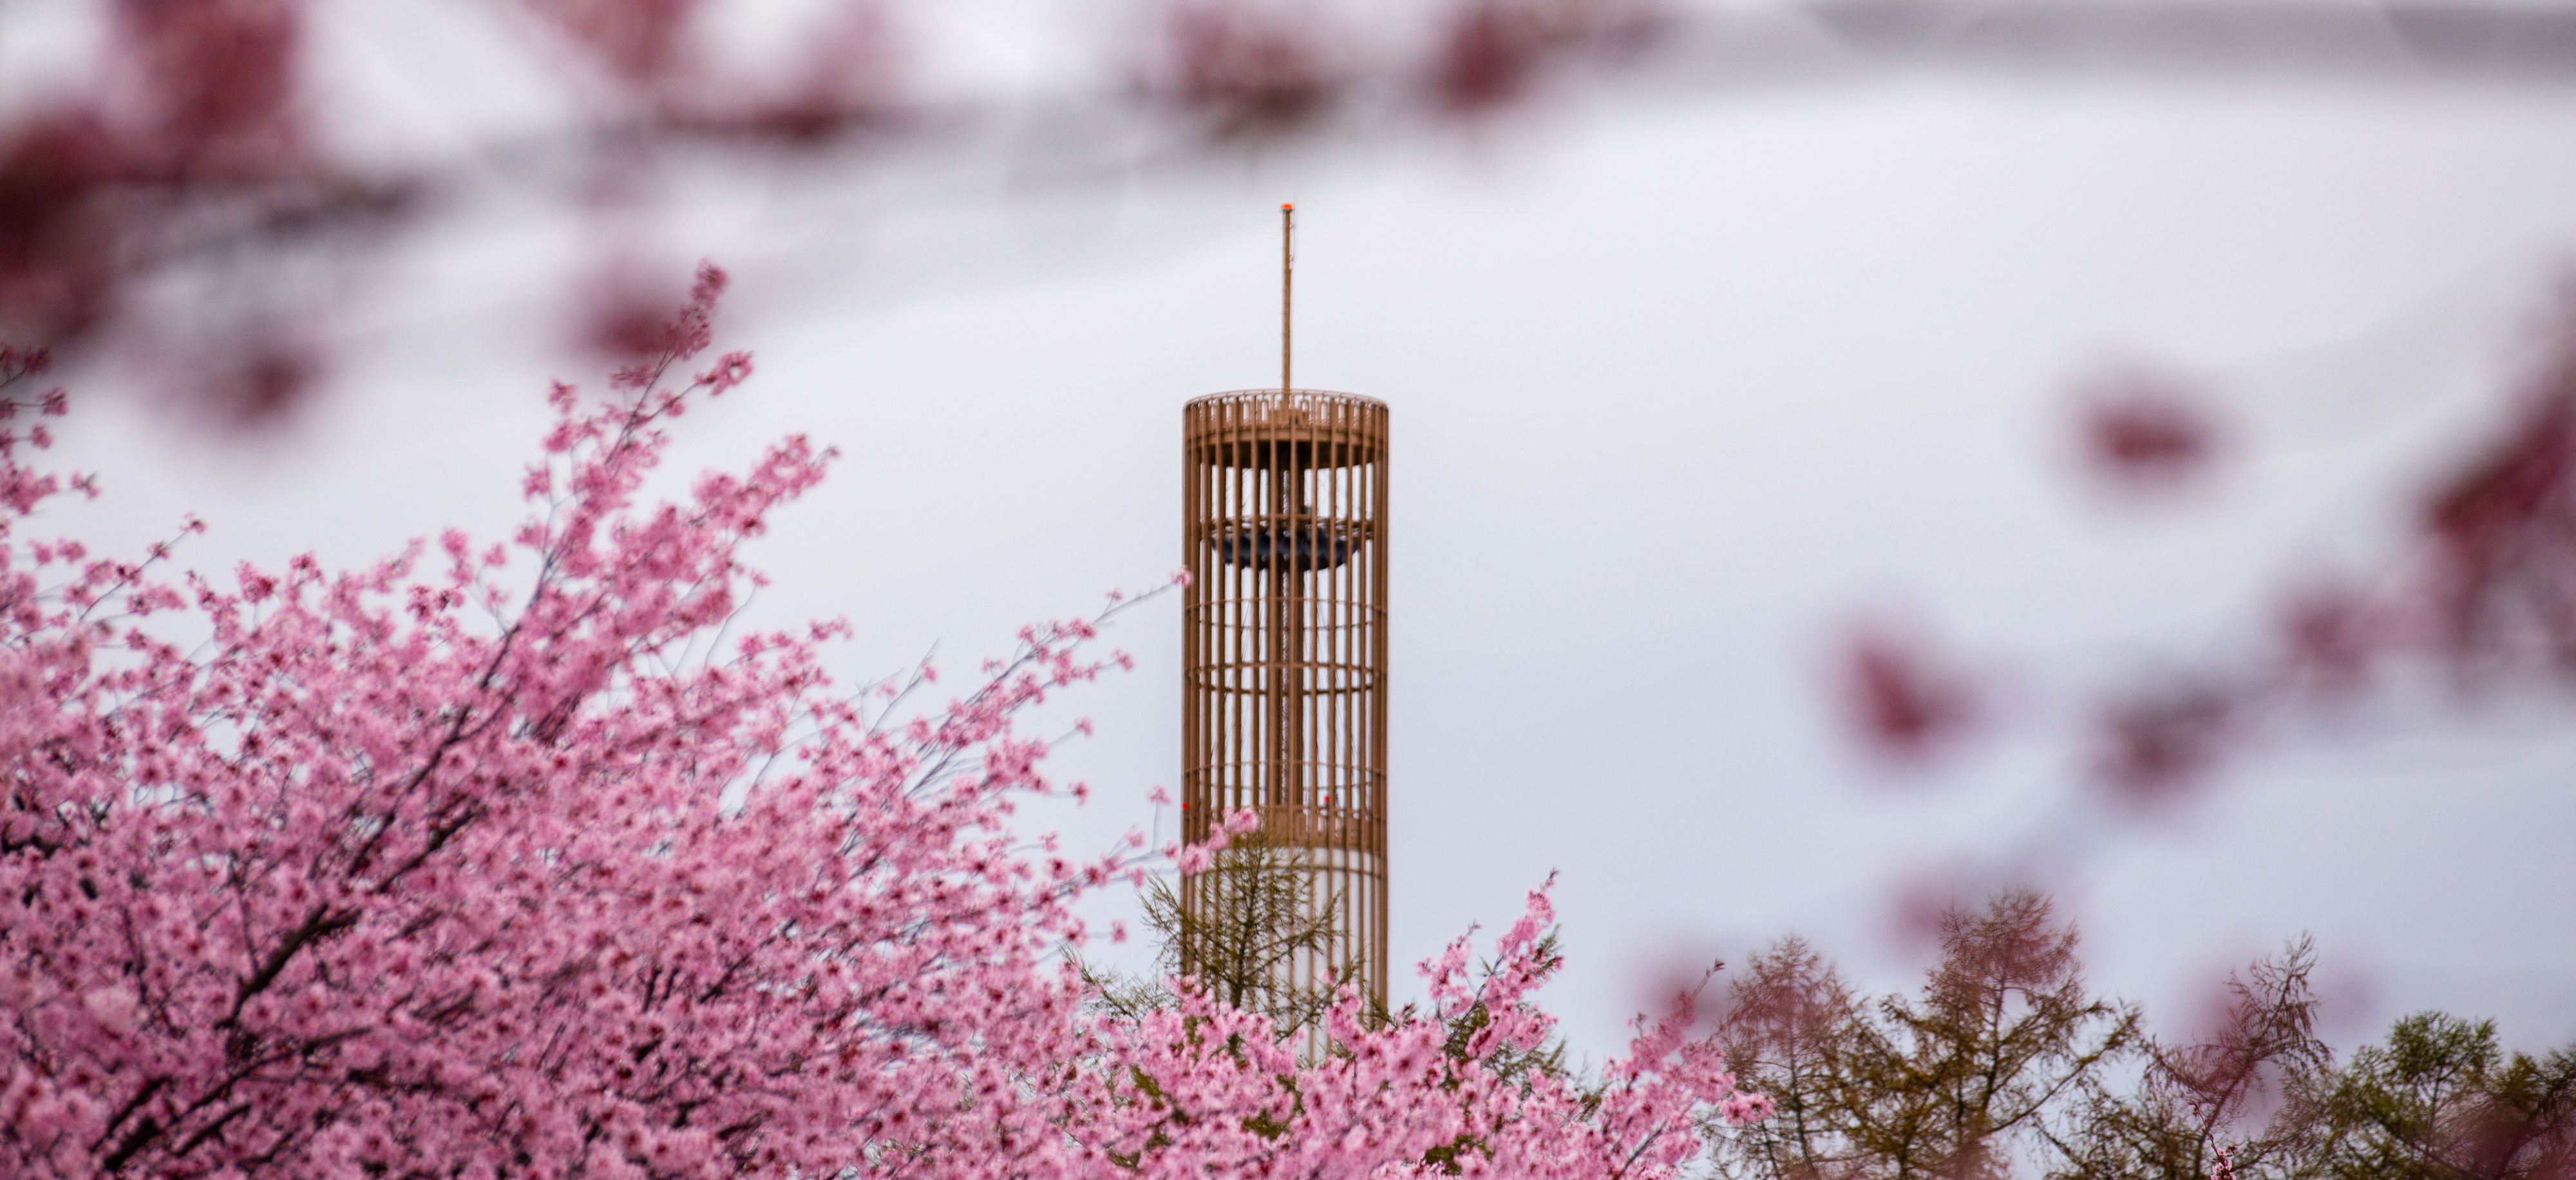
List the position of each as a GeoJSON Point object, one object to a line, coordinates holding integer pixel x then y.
{"type": "Point", "coordinates": [1284, 641]}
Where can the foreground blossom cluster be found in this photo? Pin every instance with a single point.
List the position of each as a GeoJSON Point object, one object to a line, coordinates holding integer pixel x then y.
{"type": "Point", "coordinates": [515, 860]}
{"type": "Point", "coordinates": [2477, 594]}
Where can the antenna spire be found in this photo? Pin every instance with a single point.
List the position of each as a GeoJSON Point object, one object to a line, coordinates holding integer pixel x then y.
{"type": "Point", "coordinates": [1287, 281]}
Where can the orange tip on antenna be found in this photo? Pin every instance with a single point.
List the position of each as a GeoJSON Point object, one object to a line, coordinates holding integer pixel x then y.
{"type": "Point", "coordinates": [1287, 205]}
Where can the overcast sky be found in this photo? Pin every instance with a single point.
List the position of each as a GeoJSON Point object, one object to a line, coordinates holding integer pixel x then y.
{"type": "Point", "coordinates": [1681, 386]}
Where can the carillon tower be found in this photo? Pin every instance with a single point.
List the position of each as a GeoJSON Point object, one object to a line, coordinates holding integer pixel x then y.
{"type": "Point", "coordinates": [1283, 708]}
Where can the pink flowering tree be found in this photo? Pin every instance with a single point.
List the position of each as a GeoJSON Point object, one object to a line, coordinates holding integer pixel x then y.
{"type": "Point", "coordinates": [506, 859]}
{"type": "Point", "coordinates": [516, 859]}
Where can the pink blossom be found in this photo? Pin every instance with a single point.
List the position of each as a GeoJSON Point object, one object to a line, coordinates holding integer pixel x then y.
{"type": "Point", "coordinates": [731, 370]}
{"type": "Point", "coordinates": [1901, 698]}
{"type": "Point", "coordinates": [113, 1007]}
{"type": "Point", "coordinates": [2147, 430]}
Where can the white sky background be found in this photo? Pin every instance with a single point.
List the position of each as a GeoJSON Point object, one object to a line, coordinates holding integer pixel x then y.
{"type": "Point", "coordinates": [1681, 385]}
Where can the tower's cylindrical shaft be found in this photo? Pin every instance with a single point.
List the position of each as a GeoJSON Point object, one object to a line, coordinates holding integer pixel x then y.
{"type": "Point", "coordinates": [1284, 645]}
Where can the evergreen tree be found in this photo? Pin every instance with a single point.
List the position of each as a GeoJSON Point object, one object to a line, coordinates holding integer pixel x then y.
{"type": "Point", "coordinates": [2004, 1064]}
{"type": "Point", "coordinates": [1260, 912]}
{"type": "Point", "coordinates": [1952, 1083]}
{"type": "Point", "coordinates": [2192, 1102]}
{"type": "Point", "coordinates": [2438, 1100]}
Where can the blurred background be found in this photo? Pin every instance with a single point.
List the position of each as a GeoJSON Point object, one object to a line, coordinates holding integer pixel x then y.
{"type": "Point", "coordinates": [1850, 456]}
